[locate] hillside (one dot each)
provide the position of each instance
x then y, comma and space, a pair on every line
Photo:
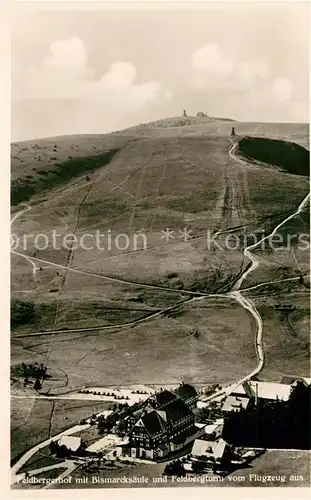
145, 180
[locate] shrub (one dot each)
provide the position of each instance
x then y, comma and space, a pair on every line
172, 275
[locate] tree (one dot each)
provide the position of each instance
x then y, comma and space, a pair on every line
37, 385
101, 425
63, 452
175, 468
53, 447
121, 427
198, 466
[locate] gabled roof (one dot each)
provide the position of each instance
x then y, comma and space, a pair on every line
158, 421
201, 447
138, 413
220, 448
176, 410
211, 428
186, 392
162, 398
215, 449
153, 423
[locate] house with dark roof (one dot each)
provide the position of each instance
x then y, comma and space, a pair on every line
188, 394
159, 399
162, 429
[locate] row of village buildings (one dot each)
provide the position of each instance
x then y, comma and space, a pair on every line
166, 422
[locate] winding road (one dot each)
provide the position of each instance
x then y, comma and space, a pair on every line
247, 303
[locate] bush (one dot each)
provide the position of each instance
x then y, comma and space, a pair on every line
172, 275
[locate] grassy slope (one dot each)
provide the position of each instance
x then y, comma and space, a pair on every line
172, 177
32, 420
72, 314
161, 351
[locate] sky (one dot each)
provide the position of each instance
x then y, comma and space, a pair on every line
76, 72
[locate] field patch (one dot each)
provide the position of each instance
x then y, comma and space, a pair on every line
210, 340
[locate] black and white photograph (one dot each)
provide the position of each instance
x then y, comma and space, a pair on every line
159, 224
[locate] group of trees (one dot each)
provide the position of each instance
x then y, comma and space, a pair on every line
210, 389
175, 468
35, 371
211, 412
281, 424
98, 393
31, 370
106, 424
116, 419
61, 451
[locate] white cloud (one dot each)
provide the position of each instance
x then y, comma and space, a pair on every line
245, 88
248, 87
115, 100
210, 65
67, 57
212, 68
210, 60
65, 74
62, 74
120, 75
282, 88
249, 71
118, 85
